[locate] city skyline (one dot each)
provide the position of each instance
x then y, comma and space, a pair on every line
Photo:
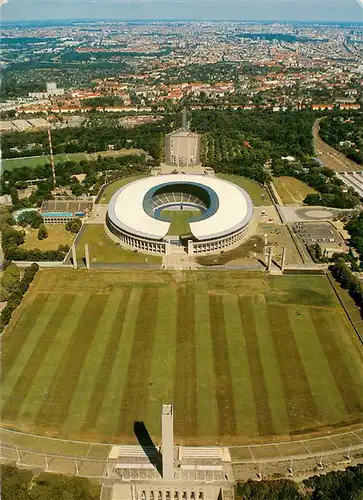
241, 10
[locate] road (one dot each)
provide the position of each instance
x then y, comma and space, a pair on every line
331, 157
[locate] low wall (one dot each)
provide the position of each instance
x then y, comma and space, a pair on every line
42, 264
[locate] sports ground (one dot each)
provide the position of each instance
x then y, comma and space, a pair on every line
243, 356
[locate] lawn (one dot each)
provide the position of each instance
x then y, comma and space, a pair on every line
34, 161
179, 220
257, 192
114, 186
57, 235
104, 250
292, 191
243, 356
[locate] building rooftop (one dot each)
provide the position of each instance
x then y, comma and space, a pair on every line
233, 207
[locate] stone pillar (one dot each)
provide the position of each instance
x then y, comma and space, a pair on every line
167, 428
74, 256
86, 253
283, 259
270, 255
190, 247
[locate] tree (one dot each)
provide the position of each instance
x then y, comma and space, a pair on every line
31, 218
74, 225
10, 277
14, 196
42, 232
4, 294
15, 483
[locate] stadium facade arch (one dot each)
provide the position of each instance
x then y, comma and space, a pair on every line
225, 218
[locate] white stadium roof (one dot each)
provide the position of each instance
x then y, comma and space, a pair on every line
234, 207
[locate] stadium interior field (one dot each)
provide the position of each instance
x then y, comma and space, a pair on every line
179, 220
243, 356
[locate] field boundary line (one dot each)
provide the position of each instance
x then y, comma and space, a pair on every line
253, 445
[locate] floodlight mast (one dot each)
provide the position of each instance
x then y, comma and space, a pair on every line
51, 152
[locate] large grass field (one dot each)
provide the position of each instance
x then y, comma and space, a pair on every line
243, 356
292, 191
34, 161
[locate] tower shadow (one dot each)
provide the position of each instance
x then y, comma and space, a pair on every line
148, 446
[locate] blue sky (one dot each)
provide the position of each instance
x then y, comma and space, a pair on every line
303, 10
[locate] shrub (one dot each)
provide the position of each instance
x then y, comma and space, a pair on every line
10, 277
74, 225
42, 232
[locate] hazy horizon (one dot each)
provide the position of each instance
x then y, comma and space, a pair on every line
181, 10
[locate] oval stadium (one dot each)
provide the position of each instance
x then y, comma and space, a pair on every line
217, 214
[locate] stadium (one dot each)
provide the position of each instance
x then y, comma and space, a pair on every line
219, 214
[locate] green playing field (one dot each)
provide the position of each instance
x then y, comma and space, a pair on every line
179, 220
242, 356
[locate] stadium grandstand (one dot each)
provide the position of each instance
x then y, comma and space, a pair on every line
60, 211
223, 220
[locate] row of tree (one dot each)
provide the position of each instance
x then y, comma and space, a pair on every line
16, 288
348, 280
344, 131
355, 230
20, 484
339, 485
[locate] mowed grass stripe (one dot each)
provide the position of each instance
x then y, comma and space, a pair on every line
55, 409
185, 389
34, 364
349, 344
135, 394
11, 343
161, 389
109, 414
88, 376
353, 400
317, 367
117, 316
263, 412
38, 390
243, 397
208, 425
26, 349
270, 367
300, 403
223, 380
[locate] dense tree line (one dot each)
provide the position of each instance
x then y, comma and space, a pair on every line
16, 289
344, 131
355, 230
19, 484
88, 139
281, 133
98, 172
241, 141
340, 485
331, 190
343, 273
